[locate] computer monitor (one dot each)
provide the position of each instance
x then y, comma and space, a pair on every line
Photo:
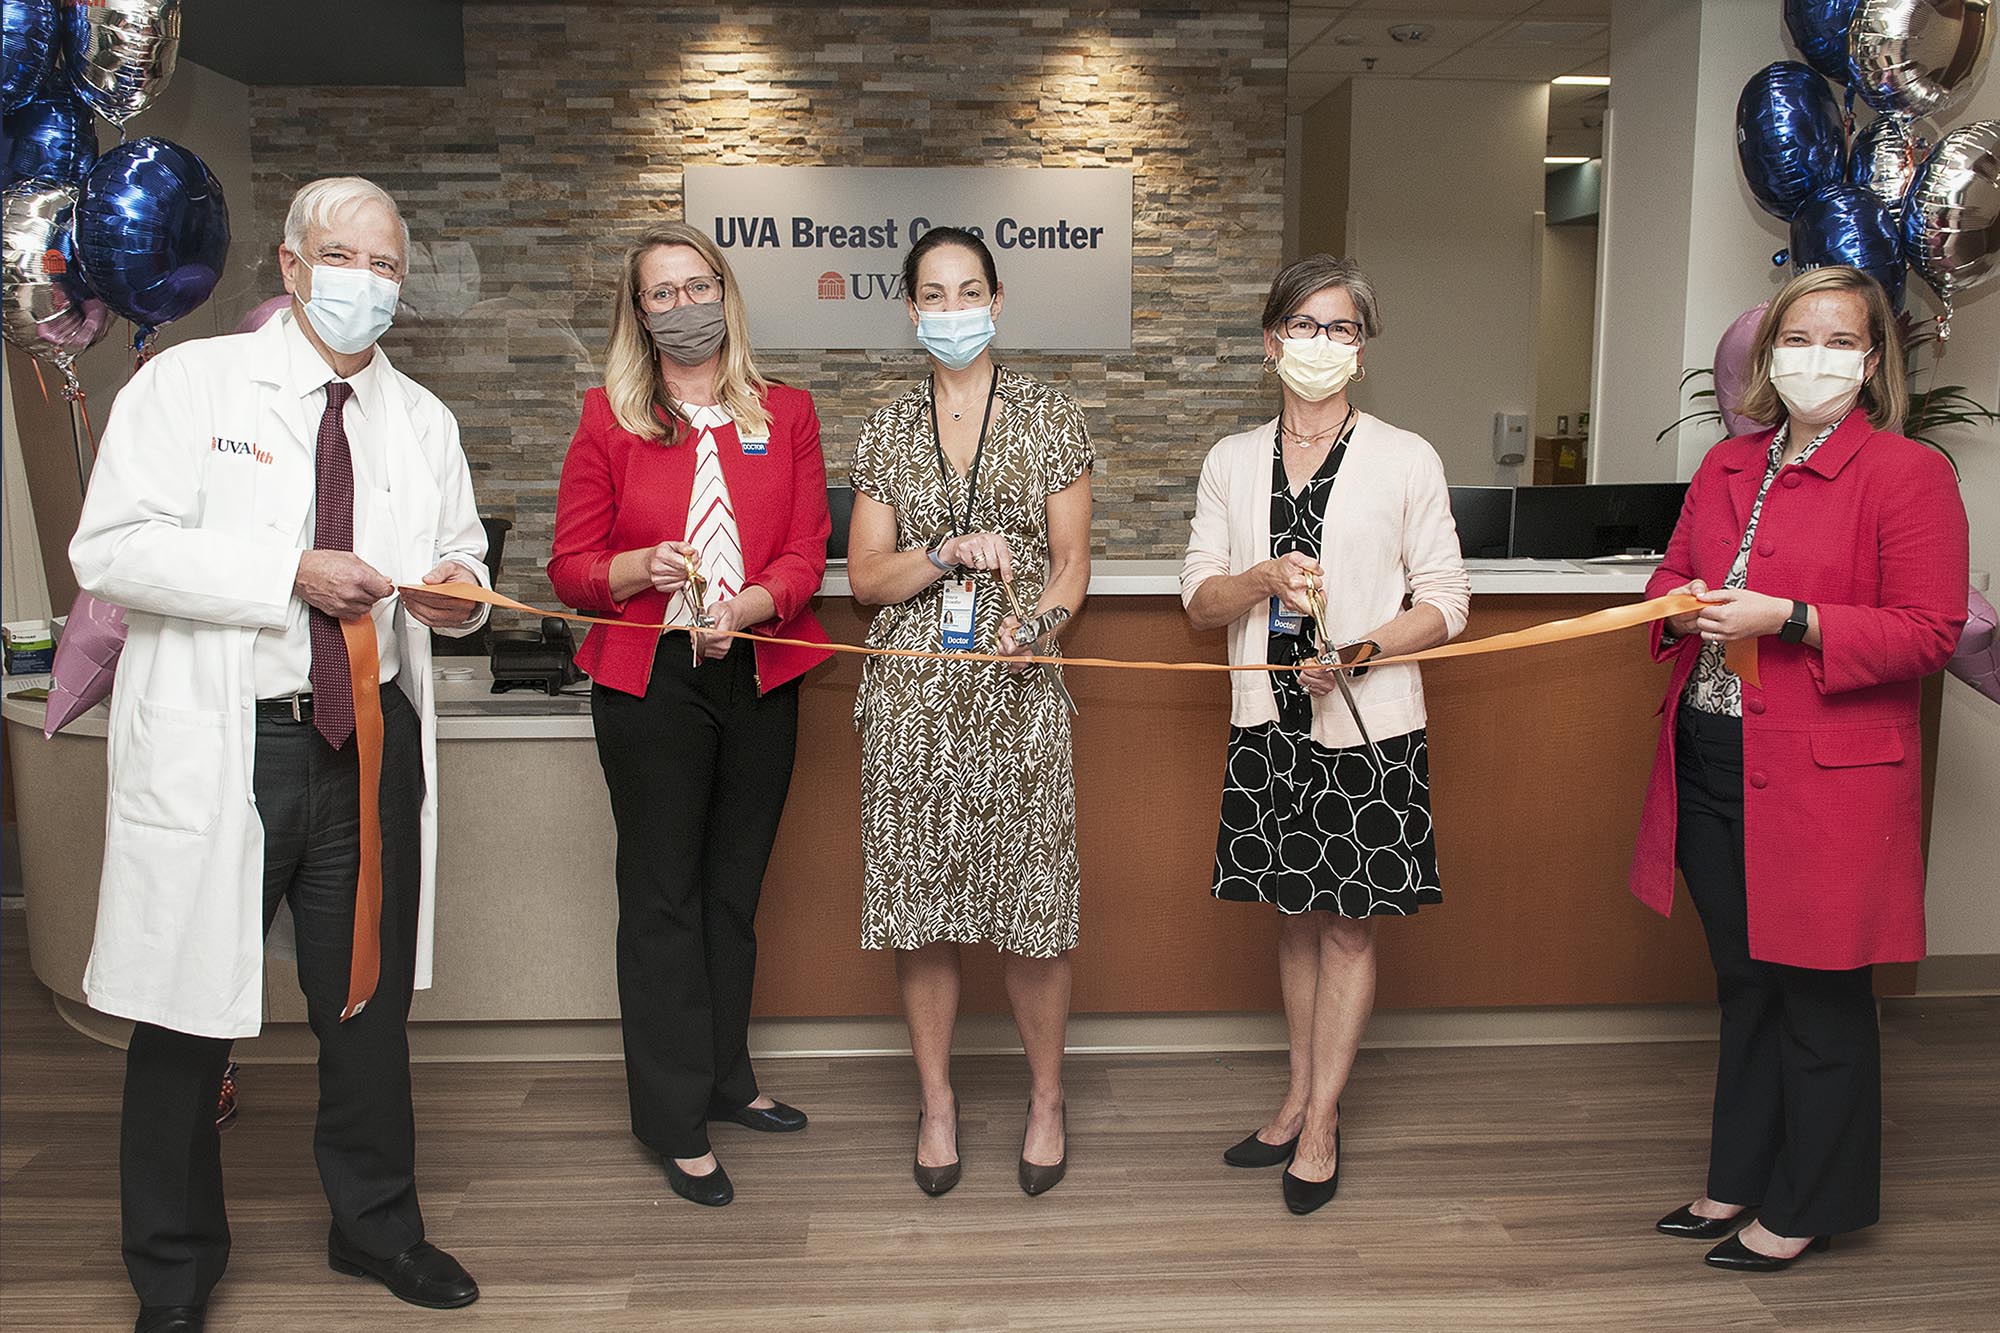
1584, 522
840, 504
1485, 519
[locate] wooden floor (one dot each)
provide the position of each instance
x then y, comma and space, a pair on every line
1482, 1188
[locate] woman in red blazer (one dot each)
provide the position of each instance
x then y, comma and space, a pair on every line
689, 459
1792, 805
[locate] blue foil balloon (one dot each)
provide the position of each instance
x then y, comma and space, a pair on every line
152, 231
1847, 224
27, 47
53, 137
1819, 30
1788, 136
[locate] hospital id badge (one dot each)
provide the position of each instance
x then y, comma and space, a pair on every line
955, 616
1284, 620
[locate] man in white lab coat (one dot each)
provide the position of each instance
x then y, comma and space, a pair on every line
252, 492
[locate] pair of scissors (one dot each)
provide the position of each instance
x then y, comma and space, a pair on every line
696, 596
1032, 628
1328, 656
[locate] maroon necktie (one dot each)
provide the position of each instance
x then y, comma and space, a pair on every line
333, 530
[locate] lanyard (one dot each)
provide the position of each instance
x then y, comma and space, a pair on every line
979, 452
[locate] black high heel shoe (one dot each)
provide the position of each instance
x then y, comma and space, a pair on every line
936, 1180
1254, 1152
710, 1191
1035, 1177
1734, 1255
1307, 1196
1686, 1223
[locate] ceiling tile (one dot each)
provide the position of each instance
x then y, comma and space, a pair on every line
1527, 63
1388, 58
1434, 9
1308, 24
1554, 32
1600, 9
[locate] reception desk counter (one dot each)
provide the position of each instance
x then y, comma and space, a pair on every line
1538, 763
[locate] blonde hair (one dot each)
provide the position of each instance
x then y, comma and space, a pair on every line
1886, 393
632, 378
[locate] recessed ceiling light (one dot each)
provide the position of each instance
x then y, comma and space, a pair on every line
1564, 161
1348, 39
1583, 80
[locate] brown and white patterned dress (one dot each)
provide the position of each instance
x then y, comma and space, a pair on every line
968, 807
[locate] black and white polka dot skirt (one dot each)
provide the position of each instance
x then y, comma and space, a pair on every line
1308, 829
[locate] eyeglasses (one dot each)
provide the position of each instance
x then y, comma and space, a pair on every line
1305, 326
697, 290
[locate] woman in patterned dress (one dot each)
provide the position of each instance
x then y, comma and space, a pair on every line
1331, 830
975, 481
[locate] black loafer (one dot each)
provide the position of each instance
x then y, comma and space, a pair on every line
1690, 1225
1308, 1196
1734, 1255
171, 1319
421, 1275
1254, 1152
777, 1118
710, 1191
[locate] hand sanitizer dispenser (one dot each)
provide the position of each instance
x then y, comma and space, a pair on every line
1510, 438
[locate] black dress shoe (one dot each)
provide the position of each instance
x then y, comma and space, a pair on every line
171, 1319
422, 1275
1253, 1151
1690, 1225
710, 1191
776, 1118
1034, 1176
1307, 1196
1733, 1254
936, 1180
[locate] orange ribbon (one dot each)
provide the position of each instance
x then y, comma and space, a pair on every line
364, 669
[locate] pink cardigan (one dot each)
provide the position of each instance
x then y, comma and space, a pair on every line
1389, 536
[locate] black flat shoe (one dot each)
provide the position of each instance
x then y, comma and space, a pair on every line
1254, 1152
936, 1180
1734, 1255
710, 1191
1307, 1196
421, 1275
171, 1319
776, 1118
1039, 1179
1690, 1225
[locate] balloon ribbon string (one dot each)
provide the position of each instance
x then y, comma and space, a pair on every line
1742, 655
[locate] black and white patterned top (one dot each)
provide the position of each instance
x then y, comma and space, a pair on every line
1713, 688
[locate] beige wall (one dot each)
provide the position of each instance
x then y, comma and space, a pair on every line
1564, 325
1325, 164
1445, 189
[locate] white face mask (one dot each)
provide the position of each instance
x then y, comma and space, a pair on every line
1316, 368
1818, 384
351, 307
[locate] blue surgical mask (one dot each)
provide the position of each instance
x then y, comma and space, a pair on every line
351, 307
956, 337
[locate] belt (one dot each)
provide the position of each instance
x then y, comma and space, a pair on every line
286, 708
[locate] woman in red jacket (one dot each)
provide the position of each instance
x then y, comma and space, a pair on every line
1792, 805
688, 458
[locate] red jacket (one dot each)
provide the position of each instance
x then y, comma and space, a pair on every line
620, 492
1871, 530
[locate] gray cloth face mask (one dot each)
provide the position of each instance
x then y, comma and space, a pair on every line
688, 334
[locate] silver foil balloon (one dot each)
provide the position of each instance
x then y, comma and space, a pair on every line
46, 312
120, 53
1884, 159
1917, 57
1951, 221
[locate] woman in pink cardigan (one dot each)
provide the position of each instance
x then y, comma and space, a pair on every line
1327, 822
1793, 805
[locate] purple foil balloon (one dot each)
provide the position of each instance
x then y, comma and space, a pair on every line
1977, 661
1732, 369
86, 660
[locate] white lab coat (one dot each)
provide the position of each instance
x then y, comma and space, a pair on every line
194, 521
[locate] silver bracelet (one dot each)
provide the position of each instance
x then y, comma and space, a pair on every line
931, 554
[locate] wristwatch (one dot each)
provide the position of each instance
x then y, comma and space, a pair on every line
931, 554
1796, 624
1355, 654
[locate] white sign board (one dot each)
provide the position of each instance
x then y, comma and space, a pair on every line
818, 251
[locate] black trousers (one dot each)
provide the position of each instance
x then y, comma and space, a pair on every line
698, 771
176, 1235
1798, 1084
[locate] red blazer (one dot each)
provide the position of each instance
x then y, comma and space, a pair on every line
1871, 530
621, 492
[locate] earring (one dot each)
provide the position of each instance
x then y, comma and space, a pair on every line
1270, 364
1360, 374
